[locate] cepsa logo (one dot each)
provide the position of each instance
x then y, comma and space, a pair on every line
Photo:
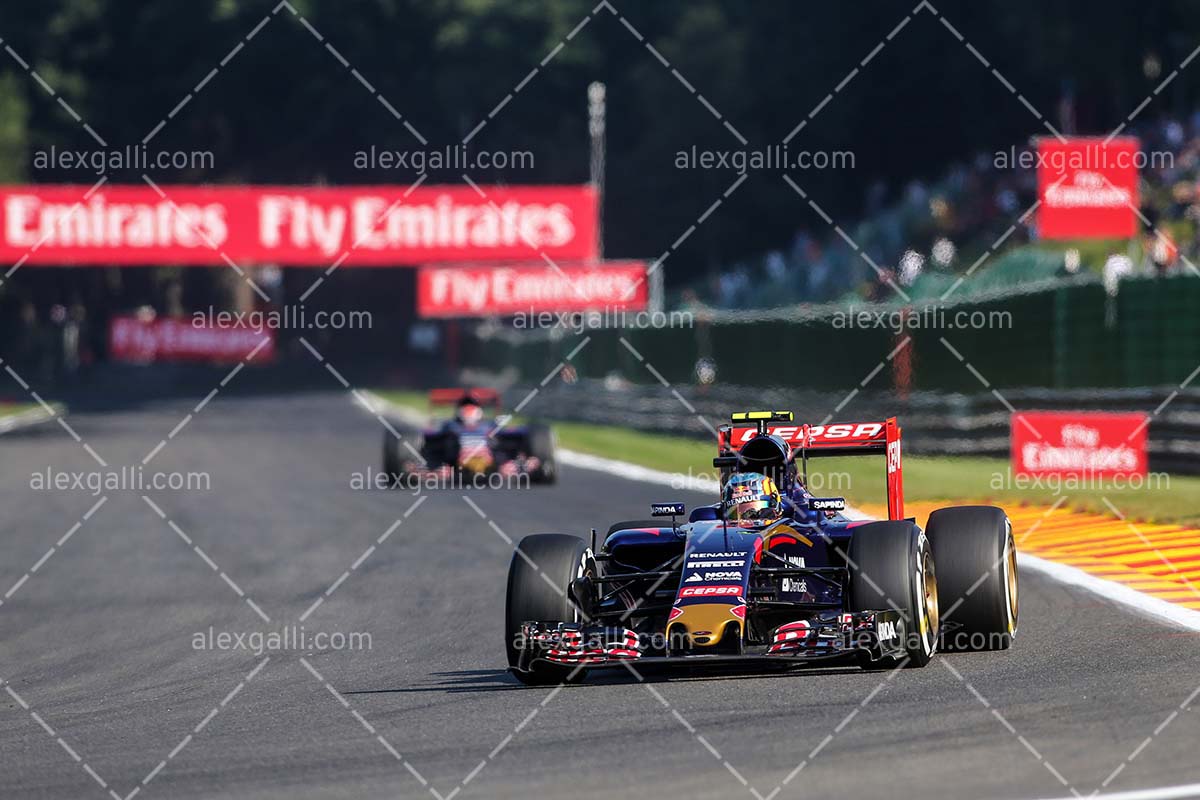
794, 434
711, 591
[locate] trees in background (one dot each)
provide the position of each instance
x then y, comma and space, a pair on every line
284, 109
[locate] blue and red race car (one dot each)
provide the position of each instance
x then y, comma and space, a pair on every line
472, 444
770, 573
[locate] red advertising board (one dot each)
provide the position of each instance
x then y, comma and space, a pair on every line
1079, 444
294, 225
145, 341
504, 290
1087, 189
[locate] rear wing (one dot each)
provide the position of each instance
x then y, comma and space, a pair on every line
450, 397
825, 441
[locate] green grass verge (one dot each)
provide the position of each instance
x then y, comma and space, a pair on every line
657, 451
11, 409
1163, 498
415, 400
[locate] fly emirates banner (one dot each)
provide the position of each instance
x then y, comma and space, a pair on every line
304, 226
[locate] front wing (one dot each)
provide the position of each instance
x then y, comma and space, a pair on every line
828, 635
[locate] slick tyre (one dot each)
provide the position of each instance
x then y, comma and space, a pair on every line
392, 463
533, 598
891, 566
977, 574
541, 446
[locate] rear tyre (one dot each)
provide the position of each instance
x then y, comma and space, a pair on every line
541, 447
392, 464
532, 598
891, 566
977, 573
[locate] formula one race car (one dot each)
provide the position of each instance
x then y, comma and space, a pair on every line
771, 573
471, 444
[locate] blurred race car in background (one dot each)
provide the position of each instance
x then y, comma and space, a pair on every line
771, 573
472, 443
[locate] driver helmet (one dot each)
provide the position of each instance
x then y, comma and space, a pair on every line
751, 499
470, 412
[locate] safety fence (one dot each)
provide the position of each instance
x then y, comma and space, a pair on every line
934, 423
1066, 333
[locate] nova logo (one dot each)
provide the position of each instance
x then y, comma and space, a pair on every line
722, 576
887, 631
695, 576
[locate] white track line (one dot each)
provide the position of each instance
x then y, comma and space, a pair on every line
1118, 593
1161, 793
33, 416
634, 472
375, 404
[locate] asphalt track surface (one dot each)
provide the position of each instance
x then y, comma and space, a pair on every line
98, 643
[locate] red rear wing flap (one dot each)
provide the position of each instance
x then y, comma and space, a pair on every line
838, 439
449, 397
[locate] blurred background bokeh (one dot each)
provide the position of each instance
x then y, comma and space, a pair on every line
930, 204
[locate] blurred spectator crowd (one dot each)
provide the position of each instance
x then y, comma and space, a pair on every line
943, 227
46, 347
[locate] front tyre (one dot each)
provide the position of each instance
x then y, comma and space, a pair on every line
541, 447
891, 567
977, 572
539, 590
